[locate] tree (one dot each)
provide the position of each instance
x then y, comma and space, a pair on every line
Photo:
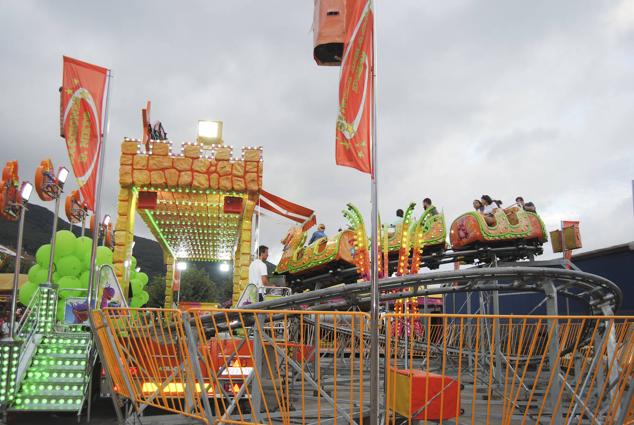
156, 289
196, 285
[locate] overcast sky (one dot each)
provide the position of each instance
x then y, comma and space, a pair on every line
499, 97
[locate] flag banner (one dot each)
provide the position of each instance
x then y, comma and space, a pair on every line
356, 89
82, 100
284, 208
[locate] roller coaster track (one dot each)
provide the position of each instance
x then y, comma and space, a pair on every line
600, 295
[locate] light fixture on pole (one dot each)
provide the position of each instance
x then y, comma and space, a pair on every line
181, 266
23, 198
25, 193
62, 175
209, 132
224, 267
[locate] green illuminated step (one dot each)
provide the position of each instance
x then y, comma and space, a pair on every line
57, 351
69, 377
56, 377
47, 402
74, 340
58, 357
58, 364
48, 389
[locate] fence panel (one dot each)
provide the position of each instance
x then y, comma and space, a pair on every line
248, 367
476, 369
240, 366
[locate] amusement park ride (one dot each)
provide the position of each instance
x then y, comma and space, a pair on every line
301, 355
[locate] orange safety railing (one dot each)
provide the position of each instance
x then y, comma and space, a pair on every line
253, 367
238, 366
507, 369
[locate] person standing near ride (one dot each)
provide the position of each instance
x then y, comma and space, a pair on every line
399, 217
429, 208
258, 273
318, 234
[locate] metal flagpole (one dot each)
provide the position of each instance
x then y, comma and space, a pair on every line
102, 157
374, 272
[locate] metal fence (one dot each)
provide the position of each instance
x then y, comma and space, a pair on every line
508, 369
286, 367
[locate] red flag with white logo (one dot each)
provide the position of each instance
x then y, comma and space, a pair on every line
356, 88
82, 100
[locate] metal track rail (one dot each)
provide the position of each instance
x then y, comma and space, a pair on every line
598, 293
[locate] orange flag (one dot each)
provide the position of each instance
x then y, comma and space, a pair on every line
83, 93
356, 89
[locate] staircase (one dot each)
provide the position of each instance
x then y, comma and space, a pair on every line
59, 374
50, 363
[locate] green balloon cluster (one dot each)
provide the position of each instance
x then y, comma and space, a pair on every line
71, 264
138, 280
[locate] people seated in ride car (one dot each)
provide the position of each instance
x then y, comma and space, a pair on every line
526, 206
490, 205
489, 208
429, 207
477, 205
318, 234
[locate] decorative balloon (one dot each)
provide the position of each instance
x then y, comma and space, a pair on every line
38, 274
26, 292
45, 181
83, 246
71, 273
67, 283
42, 255
65, 244
61, 311
137, 286
69, 266
104, 256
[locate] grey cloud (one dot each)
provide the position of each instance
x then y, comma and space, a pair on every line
502, 97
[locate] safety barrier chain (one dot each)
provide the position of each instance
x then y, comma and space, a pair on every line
255, 366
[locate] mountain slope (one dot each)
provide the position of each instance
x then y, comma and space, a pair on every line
38, 225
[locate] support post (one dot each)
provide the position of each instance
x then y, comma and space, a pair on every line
375, 411
256, 396
16, 273
49, 279
193, 352
99, 184
553, 351
244, 248
124, 235
170, 266
498, 350
469, 327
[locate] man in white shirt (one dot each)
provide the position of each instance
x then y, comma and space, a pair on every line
257, 270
